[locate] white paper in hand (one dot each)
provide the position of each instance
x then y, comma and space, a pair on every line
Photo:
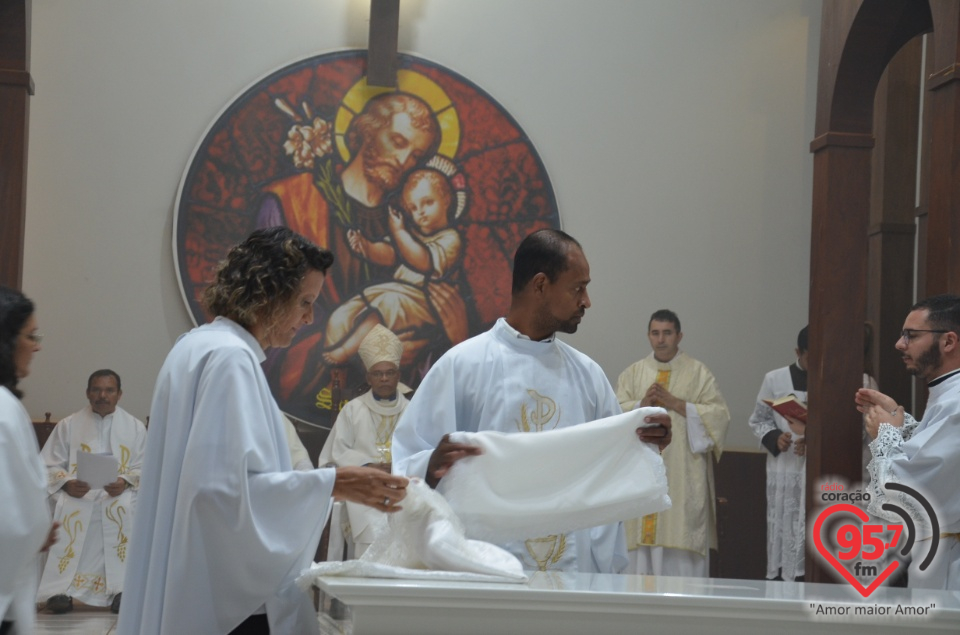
97, 470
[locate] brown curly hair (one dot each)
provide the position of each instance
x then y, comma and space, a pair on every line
261, 276
15, 310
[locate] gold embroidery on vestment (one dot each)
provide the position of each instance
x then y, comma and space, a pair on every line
547, 551
124, 459
536, 420
648, 535
93, 582
115, 513
73, 529
385, 436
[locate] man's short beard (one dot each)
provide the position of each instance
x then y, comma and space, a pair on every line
928, 361
568, 327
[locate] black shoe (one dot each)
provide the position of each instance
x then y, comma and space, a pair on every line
115, 605
60, 604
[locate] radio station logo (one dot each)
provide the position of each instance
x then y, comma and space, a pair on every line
864, 551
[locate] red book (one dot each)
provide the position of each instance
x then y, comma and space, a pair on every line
789, 406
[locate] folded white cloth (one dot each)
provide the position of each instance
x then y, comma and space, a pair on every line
424, 540
557, 481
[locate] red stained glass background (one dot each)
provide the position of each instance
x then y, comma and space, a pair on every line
508, 191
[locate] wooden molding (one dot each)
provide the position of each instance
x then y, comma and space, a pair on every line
942, 77
16, 78
842, 139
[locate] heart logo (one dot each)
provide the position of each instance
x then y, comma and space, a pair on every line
832, 559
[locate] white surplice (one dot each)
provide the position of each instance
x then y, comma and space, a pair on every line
362, 434
500, 380
89, 561
786, 479
25, 520
224, 524
786, 476
924, 455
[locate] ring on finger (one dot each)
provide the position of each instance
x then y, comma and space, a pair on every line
386, 501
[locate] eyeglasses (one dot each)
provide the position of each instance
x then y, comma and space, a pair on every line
36, 338
911, 334
383, 374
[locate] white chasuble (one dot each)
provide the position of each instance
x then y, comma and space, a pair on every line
89, 561
502, 381
786, 477
25, 520
924, 456
224, 525
362, 434
690, 523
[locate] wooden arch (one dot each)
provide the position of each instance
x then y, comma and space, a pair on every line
858, 40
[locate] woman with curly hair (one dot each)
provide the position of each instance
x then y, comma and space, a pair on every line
224, 524
25, 526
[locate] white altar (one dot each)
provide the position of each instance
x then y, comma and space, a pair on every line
597, 604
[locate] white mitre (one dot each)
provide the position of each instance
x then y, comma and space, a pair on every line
380, 345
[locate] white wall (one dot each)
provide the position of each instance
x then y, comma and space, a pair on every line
675, 132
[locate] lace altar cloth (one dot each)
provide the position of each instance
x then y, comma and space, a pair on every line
424, 540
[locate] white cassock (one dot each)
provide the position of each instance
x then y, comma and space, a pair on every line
89, 560
501, 380
786, 477
924, 456
362, 434
224, 524
678, 540
25, 520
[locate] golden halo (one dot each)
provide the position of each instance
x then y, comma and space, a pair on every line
407, 82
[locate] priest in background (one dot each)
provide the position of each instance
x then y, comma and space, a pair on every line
363, 431
519, 378
90, 564
677, 541
225, 524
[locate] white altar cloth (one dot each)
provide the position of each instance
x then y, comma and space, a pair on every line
597, 604
557, 481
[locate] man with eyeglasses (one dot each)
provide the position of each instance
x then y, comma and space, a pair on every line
89, 563
363, 431
922, 454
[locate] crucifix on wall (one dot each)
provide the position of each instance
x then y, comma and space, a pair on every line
382, 43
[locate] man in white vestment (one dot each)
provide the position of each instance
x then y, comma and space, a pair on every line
519, 378
90, 562
677, 541
922, 455
363, 431
299, 457
225, 524
786, 467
